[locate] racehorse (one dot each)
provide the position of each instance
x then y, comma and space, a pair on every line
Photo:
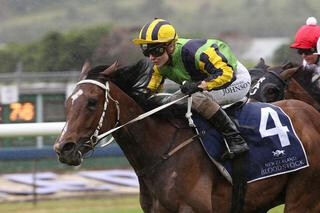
174, 177
266, 83
258, 71
284, 82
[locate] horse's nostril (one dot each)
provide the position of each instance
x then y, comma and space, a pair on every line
68, 147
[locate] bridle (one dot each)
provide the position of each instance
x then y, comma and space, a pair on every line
94, 139
283, 83
277, 75
263, 83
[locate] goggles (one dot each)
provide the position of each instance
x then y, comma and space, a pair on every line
306, 51
155, 50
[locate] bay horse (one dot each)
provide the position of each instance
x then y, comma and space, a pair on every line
285, 82
186, 181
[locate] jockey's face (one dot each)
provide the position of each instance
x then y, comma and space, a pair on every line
310, 59
159, 54
308, 56
157, 58
160, 60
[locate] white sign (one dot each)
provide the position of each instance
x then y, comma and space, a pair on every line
51, 183
9, 94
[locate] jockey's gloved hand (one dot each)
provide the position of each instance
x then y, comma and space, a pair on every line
190, 87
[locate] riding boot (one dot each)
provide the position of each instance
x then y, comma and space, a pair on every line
223, 123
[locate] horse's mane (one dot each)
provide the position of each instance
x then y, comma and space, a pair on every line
116, 77
94, 73
124, 78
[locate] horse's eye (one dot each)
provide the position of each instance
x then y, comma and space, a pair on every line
272, 91
92, 104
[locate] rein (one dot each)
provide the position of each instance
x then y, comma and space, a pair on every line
286, 84
304, 89
95, 138
140, 117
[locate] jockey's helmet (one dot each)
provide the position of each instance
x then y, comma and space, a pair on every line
156, 31
307, 35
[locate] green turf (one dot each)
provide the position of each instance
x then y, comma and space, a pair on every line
278, 209
110, 204
116, 204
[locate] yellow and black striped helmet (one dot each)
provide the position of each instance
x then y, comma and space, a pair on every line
156, 31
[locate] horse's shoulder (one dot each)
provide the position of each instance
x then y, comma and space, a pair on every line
290, 103
295, 107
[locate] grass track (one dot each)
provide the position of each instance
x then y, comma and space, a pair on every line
114, 204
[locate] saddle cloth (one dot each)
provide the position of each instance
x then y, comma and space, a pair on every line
275, 148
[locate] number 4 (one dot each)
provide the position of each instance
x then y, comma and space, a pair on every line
279, 129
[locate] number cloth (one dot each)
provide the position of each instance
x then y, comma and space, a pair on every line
275, 148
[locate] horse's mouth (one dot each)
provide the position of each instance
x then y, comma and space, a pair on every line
72, 160
73, 154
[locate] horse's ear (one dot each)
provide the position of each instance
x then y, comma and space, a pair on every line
288, 73
262, 64
261, 61
111, 69
85, 69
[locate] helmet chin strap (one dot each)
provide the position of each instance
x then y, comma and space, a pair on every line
169, 50
171, 47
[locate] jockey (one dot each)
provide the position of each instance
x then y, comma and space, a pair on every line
207, 69
305, 42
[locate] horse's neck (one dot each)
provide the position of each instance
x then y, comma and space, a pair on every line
296, 91
301, 87
142, 141
145, 141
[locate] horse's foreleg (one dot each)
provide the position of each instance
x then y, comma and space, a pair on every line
148, 201
146, 198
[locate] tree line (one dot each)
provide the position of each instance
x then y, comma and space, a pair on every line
28, 19
57, 51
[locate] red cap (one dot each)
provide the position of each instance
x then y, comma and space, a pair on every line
307, 35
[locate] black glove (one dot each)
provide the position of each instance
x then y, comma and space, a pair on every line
190, 87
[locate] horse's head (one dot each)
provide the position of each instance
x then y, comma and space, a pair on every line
258, 71
85, 111
270, 87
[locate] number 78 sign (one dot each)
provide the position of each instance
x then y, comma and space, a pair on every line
21, 111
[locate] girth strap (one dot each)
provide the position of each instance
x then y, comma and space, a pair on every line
180, 146
166, 156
